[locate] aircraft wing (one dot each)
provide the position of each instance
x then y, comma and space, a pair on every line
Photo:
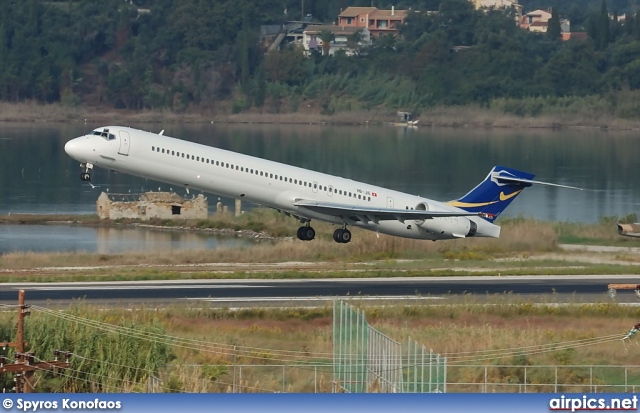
362, 213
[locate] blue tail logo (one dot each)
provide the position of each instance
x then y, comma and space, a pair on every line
491, 196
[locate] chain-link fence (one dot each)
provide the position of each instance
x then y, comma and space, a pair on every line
365, 360
506, 378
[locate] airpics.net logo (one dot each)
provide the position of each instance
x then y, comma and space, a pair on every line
587, 403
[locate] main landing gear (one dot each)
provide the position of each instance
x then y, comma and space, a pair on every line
86, 171
306, 233
342, 235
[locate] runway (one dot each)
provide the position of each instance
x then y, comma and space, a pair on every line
297, 292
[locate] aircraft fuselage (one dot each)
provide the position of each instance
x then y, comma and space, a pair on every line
268, 183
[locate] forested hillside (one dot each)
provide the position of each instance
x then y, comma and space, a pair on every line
197, 55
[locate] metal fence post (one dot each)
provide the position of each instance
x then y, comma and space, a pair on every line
422, 371
444, 373
485, 379
430, 365
233, 387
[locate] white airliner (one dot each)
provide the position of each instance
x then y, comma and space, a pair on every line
301, 193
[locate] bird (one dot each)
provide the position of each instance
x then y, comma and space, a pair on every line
93, 186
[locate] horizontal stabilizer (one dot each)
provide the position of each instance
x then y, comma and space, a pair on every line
513, 179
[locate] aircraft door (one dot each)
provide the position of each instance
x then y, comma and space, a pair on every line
124, 143
330, 190
389, 202
315, 186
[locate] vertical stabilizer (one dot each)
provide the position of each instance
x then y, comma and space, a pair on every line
491, 196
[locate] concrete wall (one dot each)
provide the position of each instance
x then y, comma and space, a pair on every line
150, 205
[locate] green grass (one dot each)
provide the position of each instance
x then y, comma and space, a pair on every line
192, 348
526, 246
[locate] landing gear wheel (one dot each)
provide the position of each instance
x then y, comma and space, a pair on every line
342, 235
86, 171
306, 233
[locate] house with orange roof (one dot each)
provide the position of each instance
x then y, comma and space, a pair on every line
355, 16
378, 22
532, 17
538, 21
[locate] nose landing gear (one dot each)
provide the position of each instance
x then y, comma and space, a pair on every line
86, 171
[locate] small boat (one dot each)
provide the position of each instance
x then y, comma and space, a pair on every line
410, 124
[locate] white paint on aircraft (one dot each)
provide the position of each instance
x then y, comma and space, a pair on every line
298, 192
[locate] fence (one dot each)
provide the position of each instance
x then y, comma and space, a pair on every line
505, 378
365, 360
539, 379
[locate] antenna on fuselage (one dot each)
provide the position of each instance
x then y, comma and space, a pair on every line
161, 132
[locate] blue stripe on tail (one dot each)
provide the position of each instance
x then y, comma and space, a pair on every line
491, 196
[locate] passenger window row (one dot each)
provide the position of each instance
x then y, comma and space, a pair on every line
261, 173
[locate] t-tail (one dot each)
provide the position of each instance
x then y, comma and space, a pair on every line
491, 196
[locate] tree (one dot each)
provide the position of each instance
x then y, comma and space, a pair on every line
385, 42
458, 18
260, 92
326, 37
354, 40
571, 71
285, 66
553, 29
603, 27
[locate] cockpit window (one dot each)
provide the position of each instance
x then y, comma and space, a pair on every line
105, 134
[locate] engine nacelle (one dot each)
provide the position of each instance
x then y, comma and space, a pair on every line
446, 227
629, 230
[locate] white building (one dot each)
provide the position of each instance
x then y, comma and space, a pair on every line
311, 38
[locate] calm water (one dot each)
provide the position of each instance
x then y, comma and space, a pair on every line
36, 175
61, 238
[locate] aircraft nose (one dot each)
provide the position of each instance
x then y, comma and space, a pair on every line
72, 148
